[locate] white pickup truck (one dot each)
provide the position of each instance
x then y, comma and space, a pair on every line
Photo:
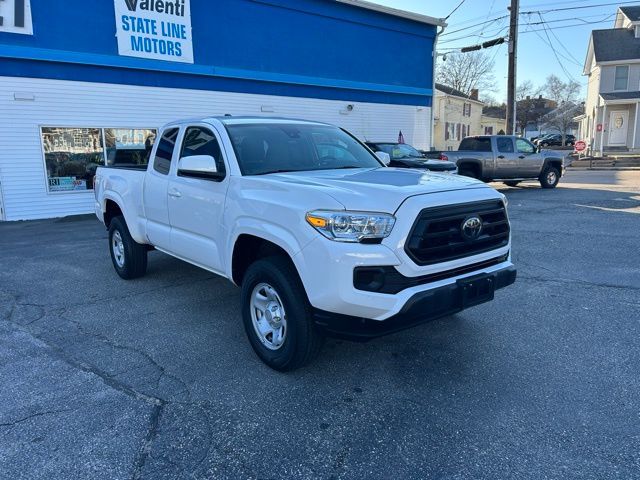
321, 235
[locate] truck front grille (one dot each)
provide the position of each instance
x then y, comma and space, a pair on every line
437, 235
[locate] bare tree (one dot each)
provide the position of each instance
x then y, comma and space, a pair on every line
529, 108
565, 94
488, 99
527, 89
560, 91
467, 71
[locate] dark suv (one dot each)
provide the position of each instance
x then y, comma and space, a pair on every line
555, 140
405, 156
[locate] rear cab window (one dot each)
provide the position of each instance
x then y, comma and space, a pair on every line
475, 144
504, 144
162, 159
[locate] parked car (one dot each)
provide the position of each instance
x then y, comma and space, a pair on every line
403, 155
321, 240
555, 140
506, 158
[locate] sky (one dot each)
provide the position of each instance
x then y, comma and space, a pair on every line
566, 31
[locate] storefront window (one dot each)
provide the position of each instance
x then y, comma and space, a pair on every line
128, 148
72, 156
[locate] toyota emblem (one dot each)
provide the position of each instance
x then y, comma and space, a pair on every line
471, 228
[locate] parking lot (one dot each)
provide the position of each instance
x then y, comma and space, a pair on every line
154, 378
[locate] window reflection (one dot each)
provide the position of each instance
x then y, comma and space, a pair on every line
72, 156
128, 147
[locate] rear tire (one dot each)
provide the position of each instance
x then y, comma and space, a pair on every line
512, 183
277, 315
549, 177
129, 257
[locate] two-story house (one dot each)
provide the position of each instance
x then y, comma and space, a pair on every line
456, 116
612, 109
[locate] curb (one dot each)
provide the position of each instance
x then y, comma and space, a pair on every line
582, 169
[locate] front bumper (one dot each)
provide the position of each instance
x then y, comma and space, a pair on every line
421, 307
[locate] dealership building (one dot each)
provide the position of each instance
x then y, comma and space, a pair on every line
84, 84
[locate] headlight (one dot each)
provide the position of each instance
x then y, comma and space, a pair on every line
344, 226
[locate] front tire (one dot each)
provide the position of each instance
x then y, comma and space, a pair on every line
550, 177
512, 183
129, 257
277, 315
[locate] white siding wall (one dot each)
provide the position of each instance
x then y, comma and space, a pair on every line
81, 104
608, 75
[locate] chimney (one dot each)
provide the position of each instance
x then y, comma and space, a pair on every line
474, 94
528, 97
540, 97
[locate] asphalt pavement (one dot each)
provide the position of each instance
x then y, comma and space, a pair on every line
154, 379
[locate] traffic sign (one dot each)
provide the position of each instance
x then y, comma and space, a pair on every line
581, 146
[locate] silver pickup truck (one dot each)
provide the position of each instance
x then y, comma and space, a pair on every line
506, 158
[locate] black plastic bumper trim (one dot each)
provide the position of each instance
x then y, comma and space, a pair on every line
387, 279
420, 308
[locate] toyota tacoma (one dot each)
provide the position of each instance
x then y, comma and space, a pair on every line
321, 236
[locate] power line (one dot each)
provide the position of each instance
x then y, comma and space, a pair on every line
577, 62
566, 26
555, 53
606, 18
473, 26
493, 2
563, 9
454, 10
581, 7
570, 2
491, 33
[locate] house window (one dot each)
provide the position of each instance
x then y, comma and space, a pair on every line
446, 131
622, 78
466, 110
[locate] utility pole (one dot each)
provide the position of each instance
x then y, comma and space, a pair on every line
513, 64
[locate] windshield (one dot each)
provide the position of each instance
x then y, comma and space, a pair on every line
263, 148
399, 150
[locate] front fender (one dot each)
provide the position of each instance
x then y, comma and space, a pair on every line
272, 232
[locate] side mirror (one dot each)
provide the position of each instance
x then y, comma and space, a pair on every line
384, 157
198, 166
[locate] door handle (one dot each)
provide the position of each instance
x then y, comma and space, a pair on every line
174, 193
521, 156
501, 157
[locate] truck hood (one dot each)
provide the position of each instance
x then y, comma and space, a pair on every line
379, 189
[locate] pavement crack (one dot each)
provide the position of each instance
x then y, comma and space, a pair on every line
109, 342
147, 444
562, 279
34, 415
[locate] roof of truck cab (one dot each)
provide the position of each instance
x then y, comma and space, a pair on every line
243, 120
231, 120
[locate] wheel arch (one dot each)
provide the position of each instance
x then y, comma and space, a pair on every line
112, 206
555, 162
472, 164
250, 247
